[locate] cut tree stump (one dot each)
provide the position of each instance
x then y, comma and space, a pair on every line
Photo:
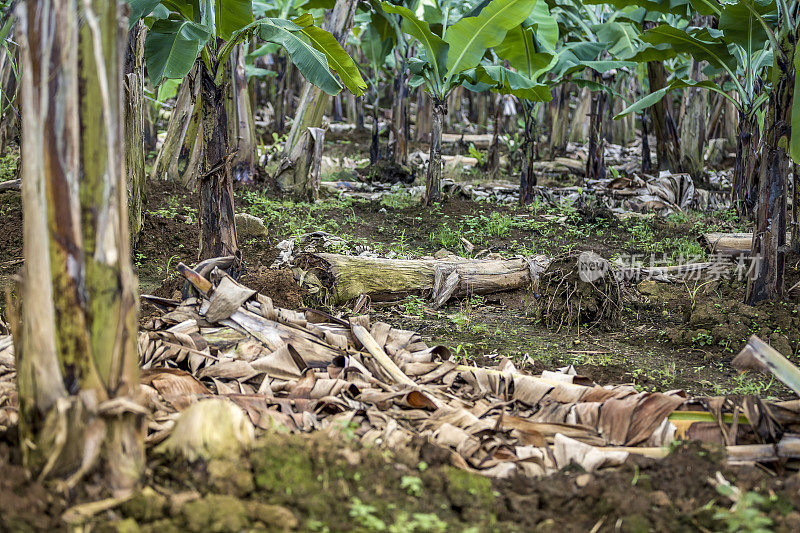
348, 277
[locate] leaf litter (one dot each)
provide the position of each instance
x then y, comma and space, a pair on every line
227, 357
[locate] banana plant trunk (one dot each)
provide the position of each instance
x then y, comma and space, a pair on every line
559, 107
423, 126
399, 142
667, 144
217, 225
528, 177
433, 180
795, 243
279, 122
135, 128
75, 338
9, 122
181, 152
745, 176
375, 147
595, 162
311, 109
692, 126
242, 130
493, 157
647, 163
769, 233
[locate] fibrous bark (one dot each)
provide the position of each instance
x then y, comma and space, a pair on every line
242, 130
314, 100
217, 225
134, 128
9, 122
559, 118
180, 154
769, 234
595, 162
693, 122
667, 144
527, 178
433, 179
399, 141
76, 345
493, 157
745, 177
302, 175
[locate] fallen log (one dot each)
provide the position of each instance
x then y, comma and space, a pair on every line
731, 244
11, 185
481, 141
345, 278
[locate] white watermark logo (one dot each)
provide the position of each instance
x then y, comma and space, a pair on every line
591, 267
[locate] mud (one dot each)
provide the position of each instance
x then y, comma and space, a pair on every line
328, 482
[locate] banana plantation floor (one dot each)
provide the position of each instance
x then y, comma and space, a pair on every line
672, 336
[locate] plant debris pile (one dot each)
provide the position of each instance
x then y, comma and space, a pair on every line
580, 291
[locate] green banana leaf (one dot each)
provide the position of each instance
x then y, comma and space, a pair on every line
740, 25
699, 45
470, 37
171, 48
621, 38
656, 96
311, 63
338, 59
140, 9
231, 16
543, 24
375, 49
529, 47
505, 81
434, 48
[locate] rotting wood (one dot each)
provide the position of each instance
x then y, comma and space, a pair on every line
730, 244
348, 277
11, 185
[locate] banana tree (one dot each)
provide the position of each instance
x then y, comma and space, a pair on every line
529, 48
446, 56
738, 52
376, 50
303, 146
781, 145
184, 33
75, 345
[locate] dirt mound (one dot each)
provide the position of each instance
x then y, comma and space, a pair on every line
279, 285
673, 494
385, 171
312, 483
25, 505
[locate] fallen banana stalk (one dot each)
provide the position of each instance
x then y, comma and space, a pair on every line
787, 448
377, 352
760, 356
348, 277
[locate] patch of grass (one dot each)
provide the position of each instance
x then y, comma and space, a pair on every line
745, 384
177, 207
398, 200
8, 166
298, 217
413, 306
